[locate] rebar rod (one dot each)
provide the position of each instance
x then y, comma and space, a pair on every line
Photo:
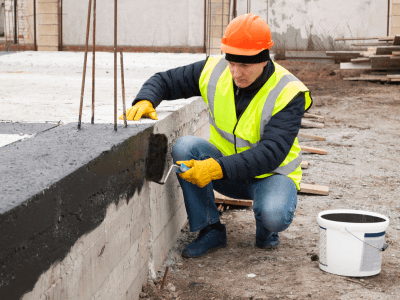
115, 65
123, 89
84, 65
94, 58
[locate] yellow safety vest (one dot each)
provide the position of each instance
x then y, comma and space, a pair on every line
231, 136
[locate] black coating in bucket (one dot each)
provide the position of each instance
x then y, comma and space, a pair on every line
352, 218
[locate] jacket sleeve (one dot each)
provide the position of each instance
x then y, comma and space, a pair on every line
178, 83
278, 138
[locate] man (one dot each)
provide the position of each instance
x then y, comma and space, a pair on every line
255, 110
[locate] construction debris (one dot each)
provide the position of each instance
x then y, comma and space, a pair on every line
313, 150
382, 60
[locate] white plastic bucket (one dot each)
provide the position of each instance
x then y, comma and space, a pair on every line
351, 242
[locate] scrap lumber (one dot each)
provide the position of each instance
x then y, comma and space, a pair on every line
396, 40
355, 66
306, 123
313, 116
387, 38
383, 62
313, 150
396, 53
221, 199
314, 189
310, 136
372, 44
363, 38
367, 78
381, 50
304, 164
343, 54
360, 60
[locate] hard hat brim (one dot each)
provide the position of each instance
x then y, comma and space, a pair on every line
237, 51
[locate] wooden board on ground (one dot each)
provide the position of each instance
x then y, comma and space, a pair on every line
388, 38
314, 189
313, 150
305, 123
304, 164
388, 43
393, 76
384, 38
310, 136
396, 53
367, 78
227, 200
313, 116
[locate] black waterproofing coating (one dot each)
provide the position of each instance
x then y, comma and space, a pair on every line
279, 133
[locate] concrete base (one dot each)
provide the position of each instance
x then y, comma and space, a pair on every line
90, 226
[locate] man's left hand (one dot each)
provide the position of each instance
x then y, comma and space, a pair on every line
201, 171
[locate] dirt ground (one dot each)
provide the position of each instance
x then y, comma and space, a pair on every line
362, 130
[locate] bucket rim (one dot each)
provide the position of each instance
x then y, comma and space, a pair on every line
365, 227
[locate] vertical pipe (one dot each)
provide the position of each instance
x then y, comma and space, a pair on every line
115, 65
84, 65
61, 25
209, 27
235, 8
222, 20
15, 22
388, 16
205, 27
123, 89
34, 26
94, 58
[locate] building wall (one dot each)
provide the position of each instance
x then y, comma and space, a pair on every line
24, 20
140, 23
314, 24
395, 24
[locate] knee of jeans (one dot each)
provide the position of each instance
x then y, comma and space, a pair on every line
180, 149
276, 221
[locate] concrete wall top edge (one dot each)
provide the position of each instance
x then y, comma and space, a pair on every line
32, 165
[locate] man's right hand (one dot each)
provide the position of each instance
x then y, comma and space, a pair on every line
143, 108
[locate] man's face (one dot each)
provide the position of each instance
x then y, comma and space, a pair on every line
245, 74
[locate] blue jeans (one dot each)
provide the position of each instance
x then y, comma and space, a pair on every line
274, 198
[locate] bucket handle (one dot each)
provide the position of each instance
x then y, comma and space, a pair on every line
385, 246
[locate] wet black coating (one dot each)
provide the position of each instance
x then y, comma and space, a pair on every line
157, 157
352, 218
56, 187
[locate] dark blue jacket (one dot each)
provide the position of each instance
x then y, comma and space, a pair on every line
279, 133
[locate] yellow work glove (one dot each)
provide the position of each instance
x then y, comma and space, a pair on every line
201, 171
142, 108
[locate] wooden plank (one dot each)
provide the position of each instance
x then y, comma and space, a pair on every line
313, 116
365, 38
386, 49
393, 76
304, 164
395, 57
383, 63
372, 44
396, 40
305, 123
367, 78
227, 200
388, 38
310, 136
358, 66
313, 150
343, 53
360, 60
314, 189
396, 53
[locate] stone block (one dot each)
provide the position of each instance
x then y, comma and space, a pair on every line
395, 21
48, 19
48, 40
396, 9
48, 30
47, 8
47, 48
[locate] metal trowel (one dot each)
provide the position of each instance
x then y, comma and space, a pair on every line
178, 169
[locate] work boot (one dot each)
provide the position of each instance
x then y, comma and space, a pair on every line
208, 240
266, 239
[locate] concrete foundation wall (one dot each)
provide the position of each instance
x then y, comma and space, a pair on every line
95, 233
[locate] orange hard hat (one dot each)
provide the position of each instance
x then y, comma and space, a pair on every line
246, 35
